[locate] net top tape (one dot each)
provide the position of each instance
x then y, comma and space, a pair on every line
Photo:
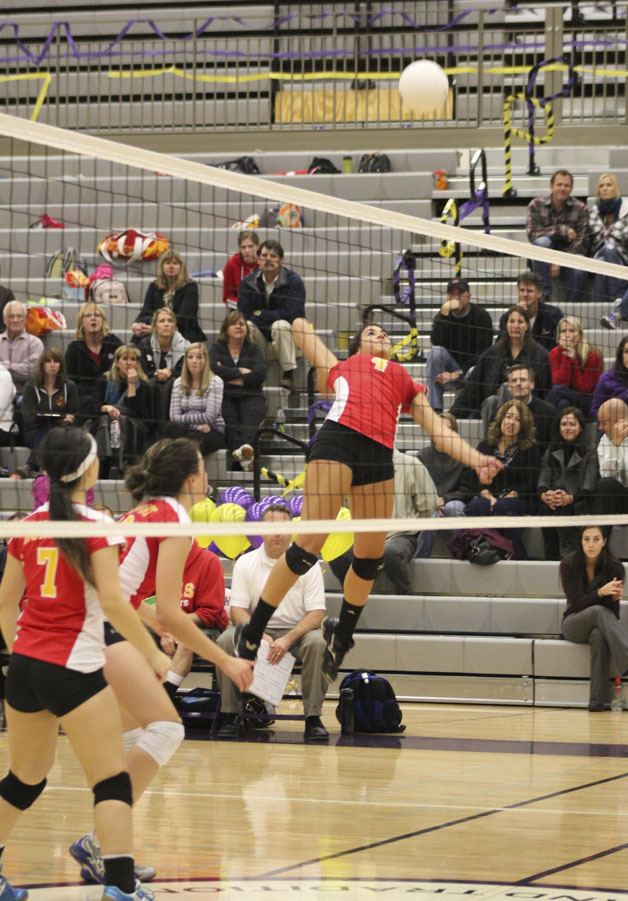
79, 529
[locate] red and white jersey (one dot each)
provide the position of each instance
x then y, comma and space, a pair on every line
369, 392
61, 620
138, 568
204, 588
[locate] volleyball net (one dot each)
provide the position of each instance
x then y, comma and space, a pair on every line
87, 218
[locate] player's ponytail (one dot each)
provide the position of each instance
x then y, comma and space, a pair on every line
163, 470
64, 455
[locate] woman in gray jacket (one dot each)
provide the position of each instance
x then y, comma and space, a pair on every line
569, 473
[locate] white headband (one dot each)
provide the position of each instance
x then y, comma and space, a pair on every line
84, 466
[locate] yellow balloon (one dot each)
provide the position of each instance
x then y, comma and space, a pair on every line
203, 512
230, 545
340, 542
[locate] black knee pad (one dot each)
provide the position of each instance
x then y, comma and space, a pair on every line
115, 788
19, 794
300, 561
367, 567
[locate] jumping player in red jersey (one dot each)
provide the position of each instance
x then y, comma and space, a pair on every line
352, 457
169, 481
56, 666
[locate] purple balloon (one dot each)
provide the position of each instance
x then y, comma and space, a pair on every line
295, 505
256, 511
215, 550
236, 495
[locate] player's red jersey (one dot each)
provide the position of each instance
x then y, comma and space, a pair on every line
138, 568
369, 392
204, 588
61, 620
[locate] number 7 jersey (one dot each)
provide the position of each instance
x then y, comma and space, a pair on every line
61, 620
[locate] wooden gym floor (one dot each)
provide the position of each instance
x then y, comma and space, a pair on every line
485, 802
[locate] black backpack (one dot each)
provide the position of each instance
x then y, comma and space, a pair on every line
244, 164
375, 707
375, 162
320, 165
198, 708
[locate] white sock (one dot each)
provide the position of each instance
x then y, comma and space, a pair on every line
174, 678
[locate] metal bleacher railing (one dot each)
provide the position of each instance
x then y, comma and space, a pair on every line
290, 66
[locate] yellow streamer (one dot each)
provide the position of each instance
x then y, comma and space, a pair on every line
351, 76
46, 79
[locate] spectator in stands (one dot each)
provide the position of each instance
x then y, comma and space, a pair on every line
123, 403
613, 383
569, 475
239, 266
544, 317
295, 627
90, 355
173, 288
162, 357
608, 223
461, 331
575, 366
196, 403
559, 222
415, 497
163, 350
19, 351
241, 365
611, 493
520, 386
50, 399
7, 396
446, 474
203, 598
6, 296
593, 582
513, 490
271, 298
515, 345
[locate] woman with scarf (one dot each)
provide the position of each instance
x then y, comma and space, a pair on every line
124, 402
512, 491
608, 222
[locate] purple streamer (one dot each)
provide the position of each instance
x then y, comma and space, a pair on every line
114, 48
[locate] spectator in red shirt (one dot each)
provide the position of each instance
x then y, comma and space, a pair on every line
203, 598
575, 366
239, 266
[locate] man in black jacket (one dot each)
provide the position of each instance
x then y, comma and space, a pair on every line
544, 317
461, 331
271, 298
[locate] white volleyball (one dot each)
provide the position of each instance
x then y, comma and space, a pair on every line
423, 86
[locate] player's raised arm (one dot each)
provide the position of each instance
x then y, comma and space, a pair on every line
314, 351
451, 443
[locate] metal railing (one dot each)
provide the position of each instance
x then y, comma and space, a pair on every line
335, 69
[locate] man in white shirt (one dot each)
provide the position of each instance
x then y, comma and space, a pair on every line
611, 493
19, 351
294, 627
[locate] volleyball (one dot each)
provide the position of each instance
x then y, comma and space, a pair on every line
423, 86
